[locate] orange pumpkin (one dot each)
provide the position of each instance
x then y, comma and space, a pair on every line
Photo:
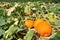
43, 28
29, 23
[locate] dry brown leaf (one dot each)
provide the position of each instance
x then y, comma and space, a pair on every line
11, 9
4, 4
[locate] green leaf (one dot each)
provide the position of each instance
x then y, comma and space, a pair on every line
51, 18
21, 27
8, 20
2, 31
57, 9
27, 9
2, 11
10, 32
57, 36
29, 35
10, 38
2, 21
57, 22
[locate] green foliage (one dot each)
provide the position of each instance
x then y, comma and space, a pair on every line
12, 27
2, 21
10, 31
29, 35
57, 36
57, 22
31, 0
2, 32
